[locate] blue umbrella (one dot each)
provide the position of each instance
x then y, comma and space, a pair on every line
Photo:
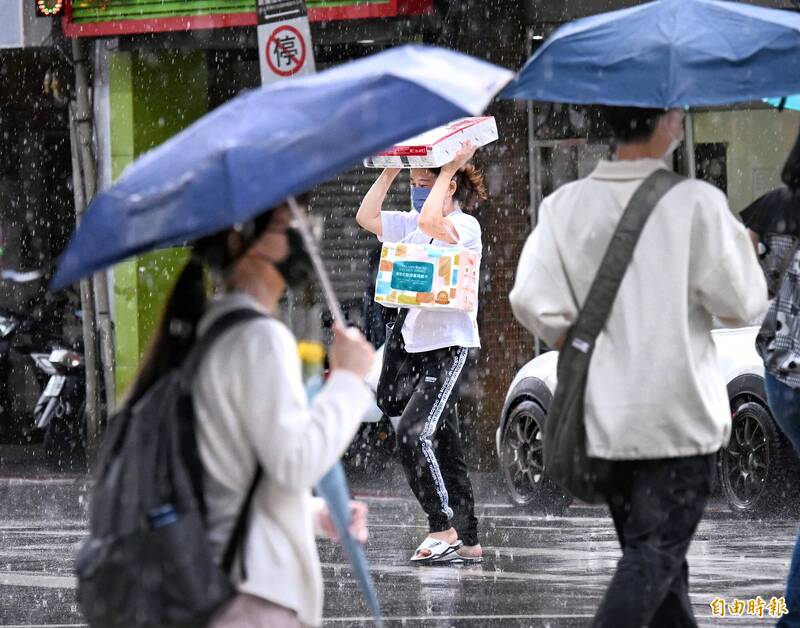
270, 143
789, 102
261, 148
667, 53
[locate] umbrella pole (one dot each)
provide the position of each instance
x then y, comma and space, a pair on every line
316, 259
688, 146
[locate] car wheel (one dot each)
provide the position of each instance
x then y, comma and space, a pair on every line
522, 463
756, 466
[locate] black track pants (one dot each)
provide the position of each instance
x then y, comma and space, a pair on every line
430, 444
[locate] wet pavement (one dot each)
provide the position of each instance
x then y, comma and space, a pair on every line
538, 570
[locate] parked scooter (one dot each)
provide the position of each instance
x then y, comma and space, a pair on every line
59, 411
57, 418
8, 325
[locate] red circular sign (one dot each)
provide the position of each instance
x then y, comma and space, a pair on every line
285, 51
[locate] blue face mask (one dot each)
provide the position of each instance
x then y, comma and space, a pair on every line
418, 196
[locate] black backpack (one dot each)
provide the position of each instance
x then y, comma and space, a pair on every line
147, 562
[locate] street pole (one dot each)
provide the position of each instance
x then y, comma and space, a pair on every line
87, 304
83, 115
289, 20
94, 291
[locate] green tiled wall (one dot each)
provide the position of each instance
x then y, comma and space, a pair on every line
153, 95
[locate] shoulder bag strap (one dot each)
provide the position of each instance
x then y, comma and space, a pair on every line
189, 368
597, 307
402, 314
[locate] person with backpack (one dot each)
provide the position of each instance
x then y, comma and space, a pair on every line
257, 435
655, 406
434, 346
774, 224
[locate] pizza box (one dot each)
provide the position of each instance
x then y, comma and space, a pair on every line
436, 147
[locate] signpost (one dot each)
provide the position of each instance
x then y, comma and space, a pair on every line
284, 40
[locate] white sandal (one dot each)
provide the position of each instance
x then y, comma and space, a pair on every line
458, 559
438, 549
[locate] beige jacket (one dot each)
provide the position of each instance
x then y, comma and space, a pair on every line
251, 405
654, 387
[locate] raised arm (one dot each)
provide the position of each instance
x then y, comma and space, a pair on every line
432, 222
369, 213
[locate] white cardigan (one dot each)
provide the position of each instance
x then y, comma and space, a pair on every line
250, 404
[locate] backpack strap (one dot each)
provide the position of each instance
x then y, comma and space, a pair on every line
597, 307
203, 343
236, 540
189, 369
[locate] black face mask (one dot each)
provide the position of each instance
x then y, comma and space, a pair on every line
297, 268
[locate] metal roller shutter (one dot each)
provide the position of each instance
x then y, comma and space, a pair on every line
345, 246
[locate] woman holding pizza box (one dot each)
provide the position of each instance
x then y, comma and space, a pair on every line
436, 344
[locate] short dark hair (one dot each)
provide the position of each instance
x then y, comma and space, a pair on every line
631, 124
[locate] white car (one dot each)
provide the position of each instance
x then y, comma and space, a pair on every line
758, 470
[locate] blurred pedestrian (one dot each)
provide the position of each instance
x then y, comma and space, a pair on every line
774, 223
251, 409
436, 345
656, 404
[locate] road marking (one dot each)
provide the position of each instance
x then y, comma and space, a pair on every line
33, 580
366, 618
437, 618
45, 480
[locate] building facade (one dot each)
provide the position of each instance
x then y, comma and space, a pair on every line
154, 75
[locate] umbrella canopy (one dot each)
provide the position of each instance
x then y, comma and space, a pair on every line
777, 211
667, 53
270, 143
789, 102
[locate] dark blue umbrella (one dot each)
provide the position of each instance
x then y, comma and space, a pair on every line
668, 53
270, 143
787, 102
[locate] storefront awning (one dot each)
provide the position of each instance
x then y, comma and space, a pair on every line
104, 18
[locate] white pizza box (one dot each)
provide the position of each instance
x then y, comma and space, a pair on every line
436, 147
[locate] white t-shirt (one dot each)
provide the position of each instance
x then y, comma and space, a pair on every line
428, 330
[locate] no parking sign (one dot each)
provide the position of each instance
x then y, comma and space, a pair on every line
284, 40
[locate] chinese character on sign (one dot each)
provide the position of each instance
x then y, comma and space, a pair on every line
777, 607
756, 606
286, 51
718, 607
736, 607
